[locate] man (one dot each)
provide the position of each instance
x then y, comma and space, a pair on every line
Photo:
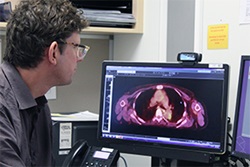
42, 51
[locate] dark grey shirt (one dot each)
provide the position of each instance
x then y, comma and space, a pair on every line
25, 123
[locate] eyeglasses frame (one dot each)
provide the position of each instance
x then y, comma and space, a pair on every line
84, 48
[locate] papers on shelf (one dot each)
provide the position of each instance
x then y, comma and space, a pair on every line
79, 116
112, 18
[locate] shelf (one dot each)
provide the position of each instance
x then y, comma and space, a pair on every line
137, 29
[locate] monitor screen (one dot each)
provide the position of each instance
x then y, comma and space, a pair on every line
151, 108
241, 132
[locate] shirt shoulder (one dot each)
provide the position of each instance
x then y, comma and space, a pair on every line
13, 80
6, 94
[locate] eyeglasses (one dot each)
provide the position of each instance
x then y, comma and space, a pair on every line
81, 49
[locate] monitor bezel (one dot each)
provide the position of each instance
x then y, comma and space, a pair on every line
234, 152
160, 150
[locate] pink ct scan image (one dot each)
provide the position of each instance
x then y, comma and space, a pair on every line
163, 105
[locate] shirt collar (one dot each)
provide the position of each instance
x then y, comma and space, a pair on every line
22, 93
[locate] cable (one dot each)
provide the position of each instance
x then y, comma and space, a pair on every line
244, 162
229, 136
124, 160
233, 161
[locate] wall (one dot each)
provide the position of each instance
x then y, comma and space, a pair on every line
151, 46
180, 27
226, 12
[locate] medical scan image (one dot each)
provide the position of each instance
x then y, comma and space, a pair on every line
164, 105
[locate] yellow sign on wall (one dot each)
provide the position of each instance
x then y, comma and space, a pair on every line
217, 36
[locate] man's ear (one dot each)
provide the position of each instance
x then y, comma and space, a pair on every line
53, 53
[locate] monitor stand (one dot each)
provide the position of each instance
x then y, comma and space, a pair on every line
164, 162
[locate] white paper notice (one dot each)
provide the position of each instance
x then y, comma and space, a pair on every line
78, 116
65, 133
51, 94
245, 12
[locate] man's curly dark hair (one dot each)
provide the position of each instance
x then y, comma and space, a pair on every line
34, 25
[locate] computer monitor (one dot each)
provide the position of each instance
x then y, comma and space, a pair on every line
241, 131
164, 109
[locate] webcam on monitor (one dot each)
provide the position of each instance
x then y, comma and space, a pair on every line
189, 57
